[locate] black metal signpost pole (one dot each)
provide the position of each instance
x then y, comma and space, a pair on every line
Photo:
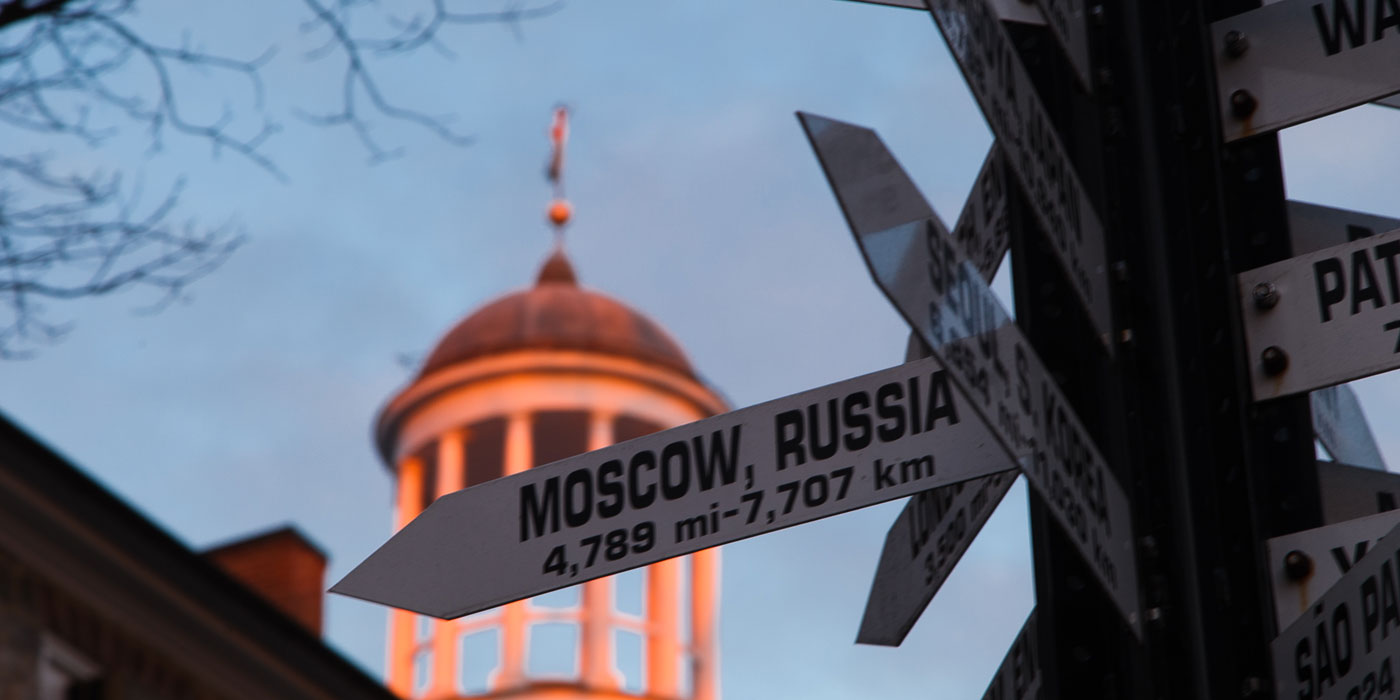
1086, 652
1212, 474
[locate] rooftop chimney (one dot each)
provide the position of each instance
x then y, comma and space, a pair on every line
282, 566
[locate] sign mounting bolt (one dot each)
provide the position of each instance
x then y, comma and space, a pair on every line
1242, 104
1275, 360
1297, 565
1265, 296
1236, 43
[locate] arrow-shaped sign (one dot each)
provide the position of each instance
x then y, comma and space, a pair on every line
936, 527
942, 297
792, 460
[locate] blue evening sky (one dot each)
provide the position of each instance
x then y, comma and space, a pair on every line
697, 200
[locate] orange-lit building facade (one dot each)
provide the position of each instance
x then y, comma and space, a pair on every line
532, 377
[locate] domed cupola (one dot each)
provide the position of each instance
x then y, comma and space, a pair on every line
535, 376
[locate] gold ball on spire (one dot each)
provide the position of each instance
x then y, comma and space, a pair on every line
559, 212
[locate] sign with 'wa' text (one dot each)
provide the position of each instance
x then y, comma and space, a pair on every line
1330, 316
1296, 60
811, 455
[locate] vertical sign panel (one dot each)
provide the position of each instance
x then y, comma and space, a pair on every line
936, 527
942, 296
1033, 150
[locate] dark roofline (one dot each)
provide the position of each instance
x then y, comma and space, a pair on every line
245, 618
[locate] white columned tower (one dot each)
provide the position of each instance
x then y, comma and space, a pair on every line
532, 377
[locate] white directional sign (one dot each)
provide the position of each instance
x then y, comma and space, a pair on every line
1323, 318
1350, 492
1345, 645
924, 543
1069, 24
1341, 427
1312, 227
1296, 60
811, 455
1023, 11
936, 527
942, 296
1019, 677
1033, 150
1303, 565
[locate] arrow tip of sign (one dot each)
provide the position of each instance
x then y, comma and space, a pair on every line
815, 124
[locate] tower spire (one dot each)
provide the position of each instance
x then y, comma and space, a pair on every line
559, 209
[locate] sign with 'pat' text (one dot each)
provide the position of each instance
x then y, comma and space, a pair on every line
1296, 60
1323, 318
811, 455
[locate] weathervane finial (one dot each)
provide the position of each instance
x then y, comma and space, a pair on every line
559, 209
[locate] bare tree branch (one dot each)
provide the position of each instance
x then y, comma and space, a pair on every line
74, 73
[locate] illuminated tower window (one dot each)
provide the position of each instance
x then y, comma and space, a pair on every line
479, 657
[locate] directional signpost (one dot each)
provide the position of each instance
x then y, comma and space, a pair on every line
1158, 585
1345, 645
922, 547
1325, 317
942, 297
1297, 60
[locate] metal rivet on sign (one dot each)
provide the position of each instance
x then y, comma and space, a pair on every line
1265, 296
1297, 565
1242, 104
1275, 360
1236, 43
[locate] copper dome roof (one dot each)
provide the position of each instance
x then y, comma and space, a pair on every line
557, 314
